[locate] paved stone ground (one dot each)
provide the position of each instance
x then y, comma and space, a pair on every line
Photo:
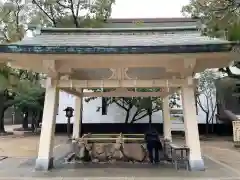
221, 159
15, 146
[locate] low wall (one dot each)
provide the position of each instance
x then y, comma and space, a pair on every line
219, 129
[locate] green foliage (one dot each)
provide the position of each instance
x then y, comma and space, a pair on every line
4, 77
66, 14
17, 15
102, 8
13, 20
26, 90
29, 96
221, 19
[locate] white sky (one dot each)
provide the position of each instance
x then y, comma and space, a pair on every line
148, 8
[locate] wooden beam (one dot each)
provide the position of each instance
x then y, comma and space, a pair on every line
72, 91
124, 94
117, 93
117, 135
87, 84
113, 140
50, 67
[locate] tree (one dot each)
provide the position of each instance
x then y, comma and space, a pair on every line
30, 96
144, 106
149, 105
17, 15
13, 28
217, 15
140, 107
221, 19
7, 92
206, 95
13, 20
72, 13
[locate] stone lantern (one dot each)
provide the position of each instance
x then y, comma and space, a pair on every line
69, 115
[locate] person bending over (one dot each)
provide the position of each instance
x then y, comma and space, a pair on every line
153, 145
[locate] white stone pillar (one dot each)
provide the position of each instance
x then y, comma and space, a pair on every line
191, 129
167, 124
77, 117
45, 153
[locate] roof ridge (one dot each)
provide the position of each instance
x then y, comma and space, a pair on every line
117, 30
153, 20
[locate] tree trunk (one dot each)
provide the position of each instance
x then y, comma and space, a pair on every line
150, 116
127, 116
2, 129
207, 124
25, 120
33, 123
40, 118
212, 126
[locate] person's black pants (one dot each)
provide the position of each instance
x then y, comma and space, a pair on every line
153, 149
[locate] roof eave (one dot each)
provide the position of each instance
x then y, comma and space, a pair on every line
38, 49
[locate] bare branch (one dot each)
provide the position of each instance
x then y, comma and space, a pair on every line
207, 100
51, 18
75, 20
78, 8
200, 104
139, 112
6, 37
212, 115
62, 5
121, 105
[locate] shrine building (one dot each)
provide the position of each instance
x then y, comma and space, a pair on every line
166, 57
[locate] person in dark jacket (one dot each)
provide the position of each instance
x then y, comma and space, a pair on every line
153, 145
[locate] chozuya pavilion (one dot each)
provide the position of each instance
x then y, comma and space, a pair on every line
120, 58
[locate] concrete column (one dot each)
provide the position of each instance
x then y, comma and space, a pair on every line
45, 153
167, 124
77, 117
191, 129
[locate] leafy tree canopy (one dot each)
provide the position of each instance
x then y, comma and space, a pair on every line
222, 20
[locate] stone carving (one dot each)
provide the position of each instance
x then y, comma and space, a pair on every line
120, 74
134, 151
107, 152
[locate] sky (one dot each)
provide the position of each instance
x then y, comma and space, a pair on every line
148, 8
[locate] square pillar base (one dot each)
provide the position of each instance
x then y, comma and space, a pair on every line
44, 164
197, 165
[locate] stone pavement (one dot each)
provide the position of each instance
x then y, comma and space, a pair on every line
23, 170
222, 153
221, 159
15, 146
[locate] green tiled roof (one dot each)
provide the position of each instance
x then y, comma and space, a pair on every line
120, 37
118, 41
